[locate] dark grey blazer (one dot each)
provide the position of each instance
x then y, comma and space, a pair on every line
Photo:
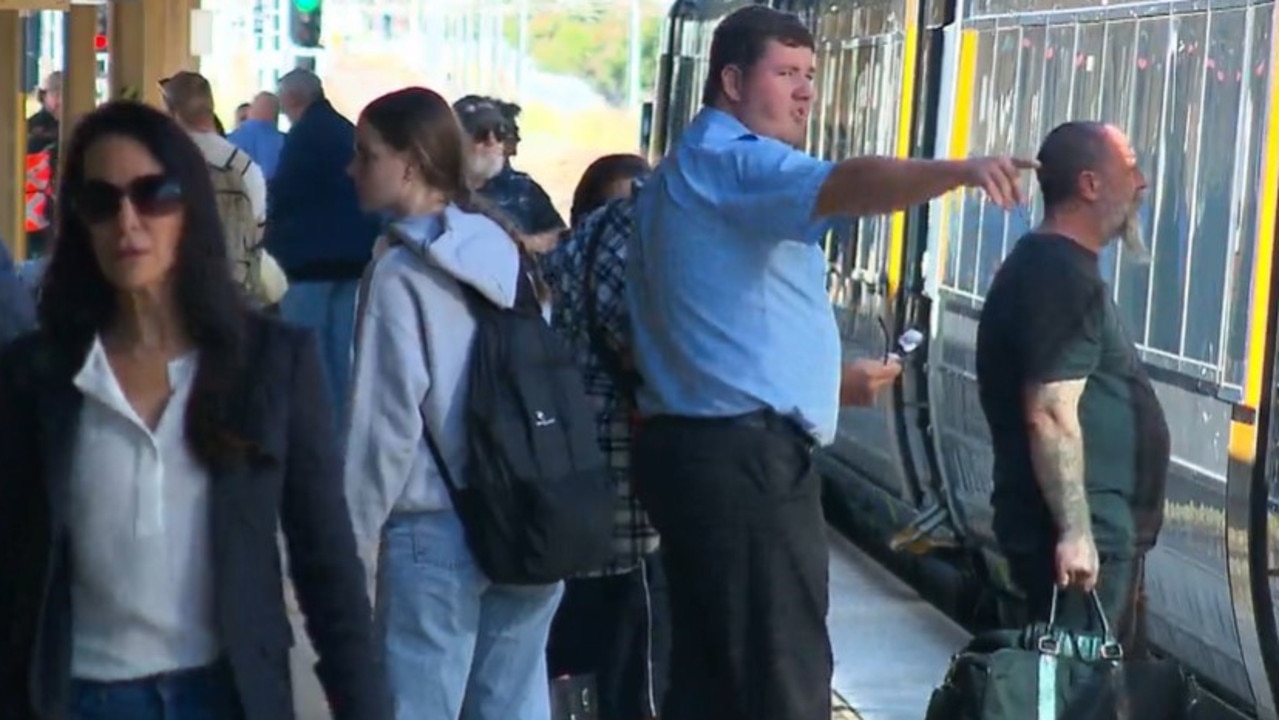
293, 473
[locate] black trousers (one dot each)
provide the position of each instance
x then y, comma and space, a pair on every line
616, 628
738, 505
1120, 588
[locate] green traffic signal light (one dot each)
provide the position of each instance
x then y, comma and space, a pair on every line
306, 6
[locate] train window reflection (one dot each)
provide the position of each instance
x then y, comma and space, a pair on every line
998, 140
1116, 99
1255, 76
1213, 227
856, 115
1143, 122
1028, 107
1193, 98
1086, 87
1059, 67
1178, 166
967, 244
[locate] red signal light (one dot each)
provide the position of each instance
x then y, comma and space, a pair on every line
99, 42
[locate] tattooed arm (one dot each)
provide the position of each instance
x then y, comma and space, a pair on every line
1057, 452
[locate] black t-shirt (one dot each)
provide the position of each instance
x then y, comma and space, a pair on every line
1049, 317
42, 131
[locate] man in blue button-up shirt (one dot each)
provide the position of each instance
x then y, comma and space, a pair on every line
737, 345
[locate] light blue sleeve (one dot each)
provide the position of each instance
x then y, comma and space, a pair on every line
776, 189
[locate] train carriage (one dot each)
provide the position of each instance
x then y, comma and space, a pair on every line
1192, 83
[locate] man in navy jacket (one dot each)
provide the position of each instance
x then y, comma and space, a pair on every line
315, 228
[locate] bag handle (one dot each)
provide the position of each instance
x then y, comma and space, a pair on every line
1111, 650
1110, 647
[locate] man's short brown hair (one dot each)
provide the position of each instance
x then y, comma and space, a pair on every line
188, 95
742, 37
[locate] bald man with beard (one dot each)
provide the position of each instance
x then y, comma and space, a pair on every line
1080, 441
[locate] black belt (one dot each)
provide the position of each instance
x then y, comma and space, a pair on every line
765, 420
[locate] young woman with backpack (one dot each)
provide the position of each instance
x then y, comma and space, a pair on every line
452, 637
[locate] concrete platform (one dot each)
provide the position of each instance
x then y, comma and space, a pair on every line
891, 647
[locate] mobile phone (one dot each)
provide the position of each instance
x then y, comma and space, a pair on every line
908, 343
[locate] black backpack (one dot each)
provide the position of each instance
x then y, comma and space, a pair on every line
539, 497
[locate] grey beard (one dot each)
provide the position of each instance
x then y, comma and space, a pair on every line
1130, 236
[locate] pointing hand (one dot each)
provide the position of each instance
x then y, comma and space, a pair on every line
999, 177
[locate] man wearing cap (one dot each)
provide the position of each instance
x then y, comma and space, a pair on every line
42, 160
511, 111
189, 98
42, 127
516, 194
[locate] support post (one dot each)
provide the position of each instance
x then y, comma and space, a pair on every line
139, 50
177, 36
79, 66
13, 147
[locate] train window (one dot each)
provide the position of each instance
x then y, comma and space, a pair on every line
1255, 75
978, 9
1028, 109
1085, 101
684, 81
861, 80
1177, 173
1132, 290
822, 126
1193, 99
999, 140
1213, 228
964, 248
1116, 98
845, 113
876, 138
1059, 65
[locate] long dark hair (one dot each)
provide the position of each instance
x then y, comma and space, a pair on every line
77, 301
589, 195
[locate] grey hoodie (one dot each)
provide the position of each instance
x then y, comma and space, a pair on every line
412, 349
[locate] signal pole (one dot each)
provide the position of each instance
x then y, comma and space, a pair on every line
633, 65
521, 56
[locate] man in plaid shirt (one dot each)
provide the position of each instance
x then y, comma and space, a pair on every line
611, 623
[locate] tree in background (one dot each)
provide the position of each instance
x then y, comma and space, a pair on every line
591, 41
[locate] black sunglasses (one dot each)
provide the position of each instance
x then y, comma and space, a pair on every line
151, 195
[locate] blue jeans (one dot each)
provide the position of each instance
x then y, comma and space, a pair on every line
199, 694
329, 309
457, 645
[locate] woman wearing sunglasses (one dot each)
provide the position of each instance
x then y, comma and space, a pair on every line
153, 432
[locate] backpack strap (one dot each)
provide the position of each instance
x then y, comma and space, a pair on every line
440, 465
627, 380
230, 162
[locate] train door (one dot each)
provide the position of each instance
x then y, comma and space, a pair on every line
863, 52
1252, 510
933, 525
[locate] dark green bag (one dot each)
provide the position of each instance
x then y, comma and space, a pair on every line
1031, 674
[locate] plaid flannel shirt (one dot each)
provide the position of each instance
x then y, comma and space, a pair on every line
565, 270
